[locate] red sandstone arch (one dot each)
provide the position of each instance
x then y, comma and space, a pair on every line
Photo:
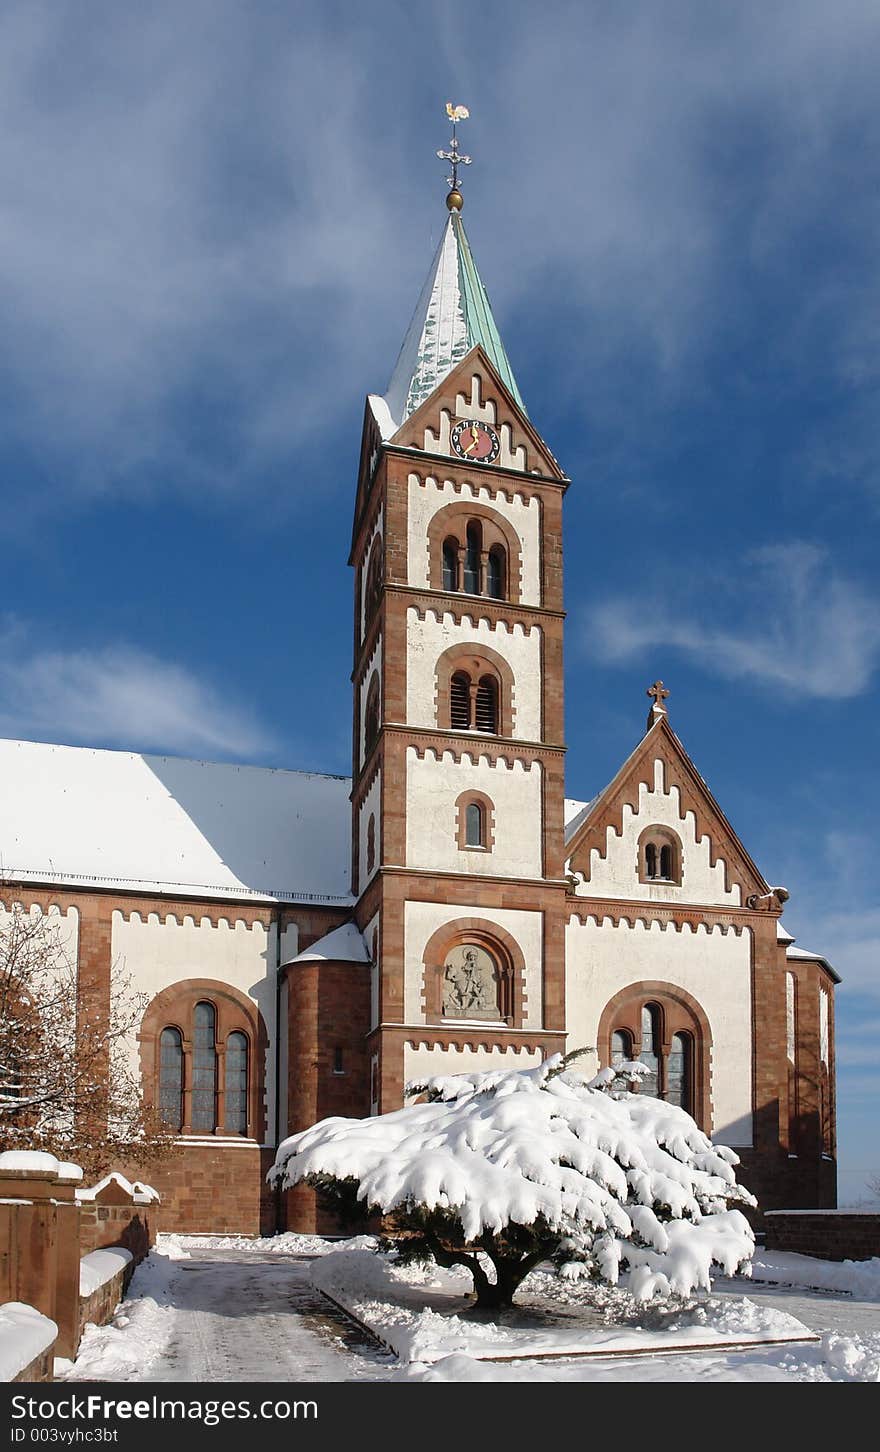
679, 1013
453, 519
477, 659
503, 948
173, 1008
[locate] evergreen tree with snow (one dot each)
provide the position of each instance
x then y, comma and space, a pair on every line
500, 1171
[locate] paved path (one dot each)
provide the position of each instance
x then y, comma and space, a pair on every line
247, 1316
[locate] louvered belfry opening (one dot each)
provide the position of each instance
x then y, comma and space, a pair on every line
487, 705
460, 702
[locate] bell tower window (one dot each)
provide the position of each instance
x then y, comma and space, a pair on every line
460, 701
660, 856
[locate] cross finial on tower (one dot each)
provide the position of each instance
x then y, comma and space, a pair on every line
455, 200
659, 692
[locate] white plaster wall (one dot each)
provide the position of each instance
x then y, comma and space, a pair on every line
61, 927
617, 874
421, 1062
427, 639
714, 967
369, 807
377, 529
434, 784
158, 952
375, 664
427, 496
422, 919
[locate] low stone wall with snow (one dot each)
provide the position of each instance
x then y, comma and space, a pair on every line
103, 1280
27, 1343
117, 1211
827, 1234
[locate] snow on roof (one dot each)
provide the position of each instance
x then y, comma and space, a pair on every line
803, 955
452, 315
575, 813
343, 945
781, 935
76, 815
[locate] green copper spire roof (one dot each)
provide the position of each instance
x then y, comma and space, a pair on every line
451, 317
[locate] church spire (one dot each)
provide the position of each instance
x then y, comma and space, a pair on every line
453, 313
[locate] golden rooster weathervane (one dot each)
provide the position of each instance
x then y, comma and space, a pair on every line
455, 200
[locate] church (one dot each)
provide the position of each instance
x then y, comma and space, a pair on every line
308, 944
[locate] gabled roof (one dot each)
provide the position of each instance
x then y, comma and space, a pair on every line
453, 315
587, 829
162, 824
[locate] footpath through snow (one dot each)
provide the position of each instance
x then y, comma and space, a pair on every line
230, 1309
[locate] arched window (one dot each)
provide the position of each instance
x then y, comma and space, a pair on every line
204, 1080
486, 706
371, 843
679, 1072
203, 1057
472, 559
171, 1078
460, 701
666, 1029
450, 564
659, 855
371, 716
235, 1119
474, 549
495, 572
621, 1048
473, 825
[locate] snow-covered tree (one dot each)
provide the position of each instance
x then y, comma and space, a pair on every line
533, 1165
65, 1081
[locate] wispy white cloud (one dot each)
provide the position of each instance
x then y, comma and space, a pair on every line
217, 204
120, 696
800, 624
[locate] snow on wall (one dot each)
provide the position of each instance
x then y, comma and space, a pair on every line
714, 967
419, 1063
371, 806
159, 952
428, 638
434, 784
617, 874
422, 919
374, 666
428, 495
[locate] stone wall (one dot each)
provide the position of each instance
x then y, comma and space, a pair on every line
827, 1234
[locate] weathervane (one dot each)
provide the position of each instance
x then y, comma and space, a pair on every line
455, 200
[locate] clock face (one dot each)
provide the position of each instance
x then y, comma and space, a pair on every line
473, 440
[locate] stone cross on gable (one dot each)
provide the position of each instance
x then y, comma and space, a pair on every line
659, 692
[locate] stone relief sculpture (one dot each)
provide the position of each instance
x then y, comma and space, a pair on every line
469, 980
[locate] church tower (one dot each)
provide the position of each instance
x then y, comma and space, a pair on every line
457, 768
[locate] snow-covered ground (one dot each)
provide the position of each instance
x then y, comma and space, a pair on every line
228, 1309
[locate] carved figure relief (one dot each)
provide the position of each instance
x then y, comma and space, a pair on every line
470, 984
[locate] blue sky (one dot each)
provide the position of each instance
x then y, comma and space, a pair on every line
215, 222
